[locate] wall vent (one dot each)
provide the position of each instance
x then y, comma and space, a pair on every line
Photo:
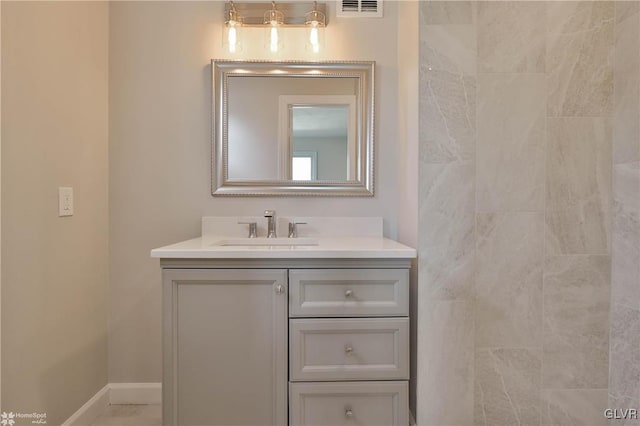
359, 9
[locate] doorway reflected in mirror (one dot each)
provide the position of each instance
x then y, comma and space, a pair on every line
322, 125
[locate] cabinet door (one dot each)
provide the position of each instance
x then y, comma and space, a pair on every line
225, 347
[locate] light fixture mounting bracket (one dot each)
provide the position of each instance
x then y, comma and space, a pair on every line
294, 13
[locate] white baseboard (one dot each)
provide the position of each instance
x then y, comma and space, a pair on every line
91, 409
115, 393
135, 393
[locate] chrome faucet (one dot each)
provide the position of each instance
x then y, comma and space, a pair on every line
271, 223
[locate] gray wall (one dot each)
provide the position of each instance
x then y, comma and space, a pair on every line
54, 270
160, 136
516, 106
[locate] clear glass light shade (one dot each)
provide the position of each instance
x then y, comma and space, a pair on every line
232, 37
273, 19
315, 23
314, 38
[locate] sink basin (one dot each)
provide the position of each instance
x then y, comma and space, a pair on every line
267, 242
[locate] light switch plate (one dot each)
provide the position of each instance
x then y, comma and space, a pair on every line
65, 201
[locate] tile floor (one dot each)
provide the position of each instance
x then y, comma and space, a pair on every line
130, 415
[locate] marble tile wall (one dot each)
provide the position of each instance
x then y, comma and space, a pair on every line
447, 205
578, 66
576, 324
508, 284
520, 127
578, 204
624, 371
511, 129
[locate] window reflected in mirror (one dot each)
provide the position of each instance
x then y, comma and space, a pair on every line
304, 165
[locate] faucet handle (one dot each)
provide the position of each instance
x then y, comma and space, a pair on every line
293, 228
253, 228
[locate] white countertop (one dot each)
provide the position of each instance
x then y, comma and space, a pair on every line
327, 248
336, 237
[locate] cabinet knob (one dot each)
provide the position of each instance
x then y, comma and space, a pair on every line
279, 289
348, 293
348, 349
348, 412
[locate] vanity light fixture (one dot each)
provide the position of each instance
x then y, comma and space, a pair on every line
233, 25
304, 15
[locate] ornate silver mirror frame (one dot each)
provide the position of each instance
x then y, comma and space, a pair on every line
360, 183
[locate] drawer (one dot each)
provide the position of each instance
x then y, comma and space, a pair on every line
348, 349
349, 403
348, 292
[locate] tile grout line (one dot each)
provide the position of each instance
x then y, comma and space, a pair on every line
611, 200
545, 149
475, 224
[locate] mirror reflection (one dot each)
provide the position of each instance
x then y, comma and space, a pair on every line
274, 119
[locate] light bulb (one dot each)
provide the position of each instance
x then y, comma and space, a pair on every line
232, 38
313, 37
273, 45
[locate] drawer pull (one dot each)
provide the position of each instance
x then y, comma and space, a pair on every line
280, 289
348, 293
348, 412
348, 349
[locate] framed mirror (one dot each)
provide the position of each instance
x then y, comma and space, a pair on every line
293, 128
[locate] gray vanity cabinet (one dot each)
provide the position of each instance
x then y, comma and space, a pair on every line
225, 347
303, 342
